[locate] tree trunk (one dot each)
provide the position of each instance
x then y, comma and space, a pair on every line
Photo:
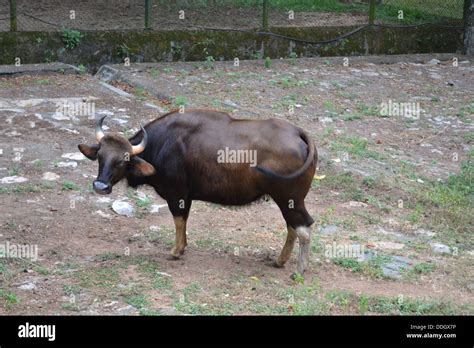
469, 27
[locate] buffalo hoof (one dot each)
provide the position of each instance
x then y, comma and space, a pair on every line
276, 264
172, 258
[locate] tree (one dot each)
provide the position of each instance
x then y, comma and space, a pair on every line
469, 27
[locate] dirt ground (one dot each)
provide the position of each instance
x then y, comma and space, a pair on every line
110, 15
397, 186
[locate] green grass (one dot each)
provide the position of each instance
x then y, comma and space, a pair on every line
466, 113
70, 186
8, 298
423, 268
180, 101
24, 189
372, 267
154, 72
355, 146
140, 93
139, 301
448, 206
364, 304
104, 277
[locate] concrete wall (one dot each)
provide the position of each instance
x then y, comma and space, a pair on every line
98, 48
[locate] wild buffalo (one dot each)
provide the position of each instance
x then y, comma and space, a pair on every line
210, 156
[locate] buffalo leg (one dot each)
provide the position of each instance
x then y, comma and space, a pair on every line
299, 226
287, 248
304, 239
180, 211
181, 241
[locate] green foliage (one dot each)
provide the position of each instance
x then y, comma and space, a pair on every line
71, 38
268, 62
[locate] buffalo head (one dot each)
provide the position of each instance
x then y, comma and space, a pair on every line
117, 157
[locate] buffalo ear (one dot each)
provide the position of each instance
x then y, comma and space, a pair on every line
90, 151
141, 167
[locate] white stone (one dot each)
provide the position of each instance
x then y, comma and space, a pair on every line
50, 176
67, 164
122, 208
27, 286
72, 131
58, 116
325, 119
155, 208
440, 248
434, 61
389, 245
355, 204
102, 214
13, 179
425, 232
76, 156
104, 200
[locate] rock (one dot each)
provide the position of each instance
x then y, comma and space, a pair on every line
15, 179
398, 264
103, 200
425, 232
329, 229
434, 61
389, 245
168, 311
105, 112
119, 121
164, 274
440, 248
67, 164
102, 214
59, 116
370, 73
355, 204
76, 198
436, 76
155, 208
72, 131
76, 156
128, 310
49, 176
122, 208
325, 119
28, 286
230, 103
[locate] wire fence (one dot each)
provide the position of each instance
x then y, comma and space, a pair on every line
53, 15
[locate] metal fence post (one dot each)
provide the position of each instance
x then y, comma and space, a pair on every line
372, 11
265, 15
13, 23
147, 14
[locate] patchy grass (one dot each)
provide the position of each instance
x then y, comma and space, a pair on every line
70, 186
448, 206
8, 298
370, 267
